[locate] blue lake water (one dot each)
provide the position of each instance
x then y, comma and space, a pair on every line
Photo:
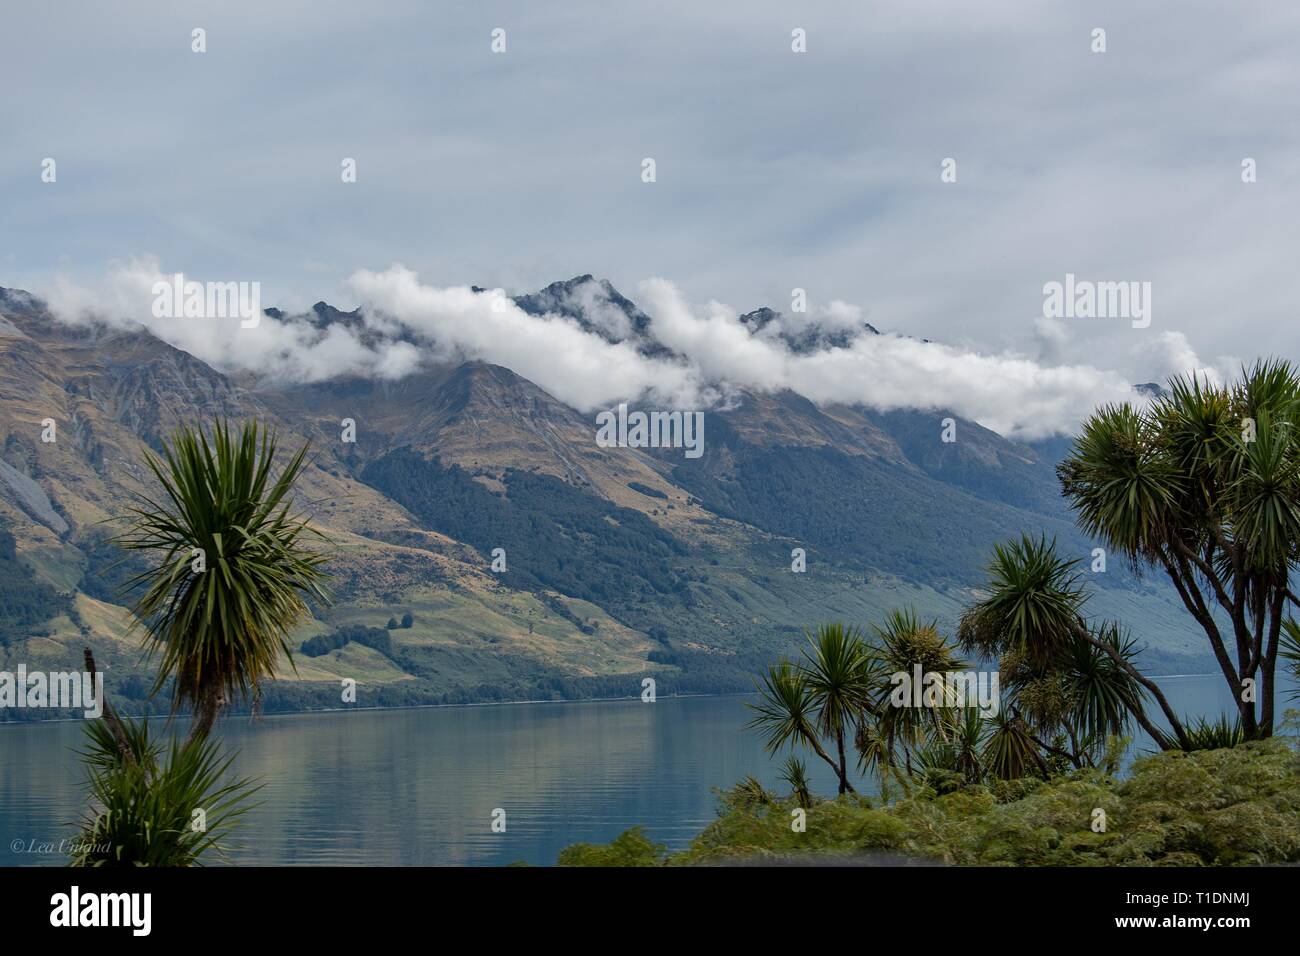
419, 787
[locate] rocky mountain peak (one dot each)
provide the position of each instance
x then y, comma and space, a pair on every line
804, 337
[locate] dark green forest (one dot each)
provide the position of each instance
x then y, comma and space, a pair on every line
26, 602
555, 536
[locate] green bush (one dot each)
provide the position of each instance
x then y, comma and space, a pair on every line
1238, 806
630, 848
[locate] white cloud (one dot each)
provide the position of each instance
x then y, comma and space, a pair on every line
577, 367
1170, 354
1008, 393
287, 349
407, 324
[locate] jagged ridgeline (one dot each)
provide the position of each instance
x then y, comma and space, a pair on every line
615, 562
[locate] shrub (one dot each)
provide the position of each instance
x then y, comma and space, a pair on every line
1237, 806
630, 848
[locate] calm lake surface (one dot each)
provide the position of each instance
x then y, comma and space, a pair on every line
418, 787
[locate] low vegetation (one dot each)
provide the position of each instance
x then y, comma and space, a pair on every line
1238, 806
154, 809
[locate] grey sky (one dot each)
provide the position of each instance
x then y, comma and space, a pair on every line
775, 169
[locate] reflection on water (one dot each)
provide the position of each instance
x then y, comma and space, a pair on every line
418, 787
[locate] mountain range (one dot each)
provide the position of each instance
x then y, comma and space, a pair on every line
619, 562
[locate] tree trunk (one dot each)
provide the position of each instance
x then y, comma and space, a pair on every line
206, 711
843, 768
110, 717
820, 751
1162, 740
1185, 581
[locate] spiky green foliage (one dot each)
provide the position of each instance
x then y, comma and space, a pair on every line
936, 767
836, 671
1083, 697
1291, 649
1066, 675
1033, 605
904, 643
221, 626
843, 689
1205, 486
143, 808
747, 794
786, 713
820, 698
1010, 751
1205, 734
795, 773
970, 730
1103, 695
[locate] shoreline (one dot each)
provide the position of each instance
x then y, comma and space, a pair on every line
485, 703
398, 707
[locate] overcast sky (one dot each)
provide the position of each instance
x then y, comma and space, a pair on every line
775, 170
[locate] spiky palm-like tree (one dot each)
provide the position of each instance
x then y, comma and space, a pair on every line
1205, 485
1010, 751
837, 672
902, 644
234, 570
822, 697
968, 741
1033, 614
1103, 694
786, 713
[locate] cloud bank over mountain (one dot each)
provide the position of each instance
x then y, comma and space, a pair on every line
590, 347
